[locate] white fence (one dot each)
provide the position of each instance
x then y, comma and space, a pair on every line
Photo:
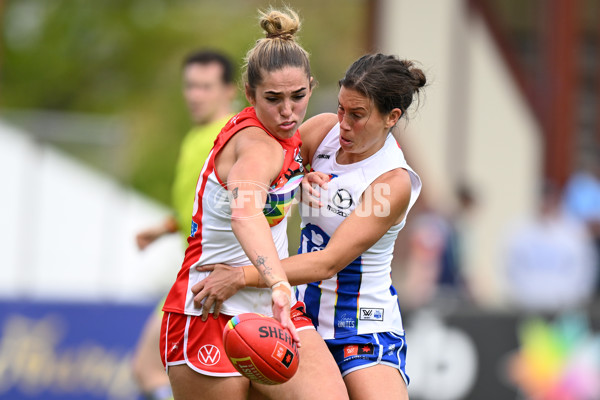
67, 232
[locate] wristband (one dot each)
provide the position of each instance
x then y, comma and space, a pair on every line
284, 283
251, 276
285, 287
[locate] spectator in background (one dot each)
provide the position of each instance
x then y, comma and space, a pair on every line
451, 277
582, 201
209, 92
419, 258
432, 257
549, 259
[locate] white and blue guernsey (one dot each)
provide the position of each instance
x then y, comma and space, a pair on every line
360, 298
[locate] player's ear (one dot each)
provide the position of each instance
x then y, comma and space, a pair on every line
393, 117
312, 83
250, 94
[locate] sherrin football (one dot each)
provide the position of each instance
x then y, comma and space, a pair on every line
260, 348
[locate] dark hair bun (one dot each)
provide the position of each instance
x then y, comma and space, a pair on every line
418, 76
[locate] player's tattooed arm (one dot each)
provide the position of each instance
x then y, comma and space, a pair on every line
234, 193
261, 264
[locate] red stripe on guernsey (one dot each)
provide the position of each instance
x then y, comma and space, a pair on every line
193, 253
178, 292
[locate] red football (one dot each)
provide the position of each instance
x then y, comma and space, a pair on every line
260, 348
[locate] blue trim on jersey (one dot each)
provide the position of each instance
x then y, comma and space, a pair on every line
312, 299
313, 292
348, 282
395, 293
345, 322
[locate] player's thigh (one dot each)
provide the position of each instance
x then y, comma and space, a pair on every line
147, 349
379, 382
148, 369
317, 377
190, 385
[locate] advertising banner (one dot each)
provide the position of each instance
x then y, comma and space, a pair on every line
68, 351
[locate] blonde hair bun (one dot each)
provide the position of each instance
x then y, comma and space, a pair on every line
280, 24
277, 50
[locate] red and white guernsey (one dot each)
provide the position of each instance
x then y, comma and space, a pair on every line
212, 240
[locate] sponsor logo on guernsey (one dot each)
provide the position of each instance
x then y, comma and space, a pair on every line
371, 314
325, 156
194, 229
338, 212
209, 354
342, 199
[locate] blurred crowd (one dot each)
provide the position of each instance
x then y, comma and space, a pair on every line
549, 260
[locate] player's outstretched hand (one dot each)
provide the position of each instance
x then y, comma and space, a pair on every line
282, 300
150, 235
147, 237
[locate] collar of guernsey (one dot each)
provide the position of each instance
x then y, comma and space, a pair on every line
283, 188
194, 150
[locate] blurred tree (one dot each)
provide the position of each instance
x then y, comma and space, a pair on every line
122, 58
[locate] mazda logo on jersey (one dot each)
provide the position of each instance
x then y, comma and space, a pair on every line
209, 354
342, 199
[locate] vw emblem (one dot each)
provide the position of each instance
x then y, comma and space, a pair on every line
342, 199
209, 354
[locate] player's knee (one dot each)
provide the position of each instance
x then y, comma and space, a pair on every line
137, 368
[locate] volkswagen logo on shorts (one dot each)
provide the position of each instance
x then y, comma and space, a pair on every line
209, 354
342, 199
